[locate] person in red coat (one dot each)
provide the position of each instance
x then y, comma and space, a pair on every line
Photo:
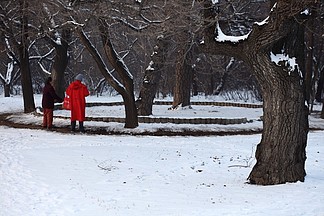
77, 92
48, 99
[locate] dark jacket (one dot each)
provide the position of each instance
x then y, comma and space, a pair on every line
49, 97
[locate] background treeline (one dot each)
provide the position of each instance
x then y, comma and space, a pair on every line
53, 45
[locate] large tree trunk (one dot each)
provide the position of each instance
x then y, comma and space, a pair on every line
281, 154
26, 81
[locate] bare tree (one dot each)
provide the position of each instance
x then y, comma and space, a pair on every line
11, 73
14, 22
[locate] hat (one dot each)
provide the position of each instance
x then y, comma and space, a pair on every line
79, 77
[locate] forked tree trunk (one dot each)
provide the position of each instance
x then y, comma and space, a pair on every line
131, 117
281, 153
127, 90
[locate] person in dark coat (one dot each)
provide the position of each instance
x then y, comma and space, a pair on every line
48, 100
77, 92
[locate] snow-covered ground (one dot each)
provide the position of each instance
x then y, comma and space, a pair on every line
48, 173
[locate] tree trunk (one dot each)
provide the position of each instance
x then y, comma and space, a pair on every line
194, 83
320, 86
60, 64
26, 81
131, 118
151, 80
221, 84
310, 74
126, 91
6, 90
183, 80
281, 154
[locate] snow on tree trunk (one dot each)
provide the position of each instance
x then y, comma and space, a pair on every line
151, 79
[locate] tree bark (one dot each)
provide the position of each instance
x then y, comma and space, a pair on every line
131, 118
151, 80
60, 64
183, 80
26, 81
281, 153
320, 86
128, 97
6, 90
310, 73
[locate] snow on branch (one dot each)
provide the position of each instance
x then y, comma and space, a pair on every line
127, 23
72, 22
98, 58
129, 49
43, 69
150, 66
221, 37
263, 22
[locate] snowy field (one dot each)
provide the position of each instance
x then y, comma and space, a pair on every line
44, 173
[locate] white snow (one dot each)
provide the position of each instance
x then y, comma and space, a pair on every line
149, 67
46, 173
263, 22
221, 37
288, 61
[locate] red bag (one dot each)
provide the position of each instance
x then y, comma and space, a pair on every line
66, 103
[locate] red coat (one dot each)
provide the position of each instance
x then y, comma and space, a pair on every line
77, 93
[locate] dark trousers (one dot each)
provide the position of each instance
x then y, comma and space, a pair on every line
81, 127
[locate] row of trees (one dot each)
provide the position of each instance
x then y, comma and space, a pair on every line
176, 47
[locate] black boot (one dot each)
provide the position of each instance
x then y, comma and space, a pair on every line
81, 128
73, 124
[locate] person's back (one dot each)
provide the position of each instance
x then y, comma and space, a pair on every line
77, 92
